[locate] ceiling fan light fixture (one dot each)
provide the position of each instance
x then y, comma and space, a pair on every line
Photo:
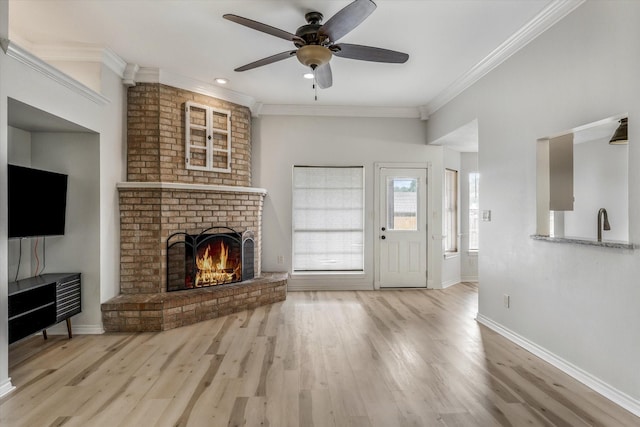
308, 76
313, 55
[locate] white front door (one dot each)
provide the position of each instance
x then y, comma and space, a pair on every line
402, 228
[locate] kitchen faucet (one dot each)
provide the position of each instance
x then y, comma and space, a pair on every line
602, 212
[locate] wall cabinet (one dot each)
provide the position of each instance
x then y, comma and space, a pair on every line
37, 303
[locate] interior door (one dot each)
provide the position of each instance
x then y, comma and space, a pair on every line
402, 227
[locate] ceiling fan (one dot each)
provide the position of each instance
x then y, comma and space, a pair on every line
316, 42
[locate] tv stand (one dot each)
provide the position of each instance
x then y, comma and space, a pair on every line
37, 303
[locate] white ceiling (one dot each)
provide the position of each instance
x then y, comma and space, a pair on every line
445, 39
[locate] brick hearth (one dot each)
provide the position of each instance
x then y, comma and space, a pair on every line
161, 197
163, 311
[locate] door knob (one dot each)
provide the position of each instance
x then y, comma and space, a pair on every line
384, 229
383, 237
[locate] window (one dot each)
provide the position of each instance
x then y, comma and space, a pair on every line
207, 138
402, 204
328, 219
474, 210
450, 211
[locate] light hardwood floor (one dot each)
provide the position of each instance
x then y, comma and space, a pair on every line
386, 358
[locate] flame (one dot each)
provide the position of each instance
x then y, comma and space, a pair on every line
214, 273
224, 254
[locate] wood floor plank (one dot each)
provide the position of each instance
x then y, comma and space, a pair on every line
384, 358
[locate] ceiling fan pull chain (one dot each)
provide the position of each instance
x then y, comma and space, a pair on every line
315, 85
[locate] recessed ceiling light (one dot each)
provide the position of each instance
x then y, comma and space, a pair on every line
308, 76
221, 80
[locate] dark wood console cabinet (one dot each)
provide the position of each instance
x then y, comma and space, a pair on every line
37, 303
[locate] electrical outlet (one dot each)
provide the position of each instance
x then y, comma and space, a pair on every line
280, 259
506, 300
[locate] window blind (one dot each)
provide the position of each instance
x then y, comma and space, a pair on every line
328, 219
474, 210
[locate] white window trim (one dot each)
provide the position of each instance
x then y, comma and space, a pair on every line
210, 131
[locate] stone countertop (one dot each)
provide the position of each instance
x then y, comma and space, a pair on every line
587, 242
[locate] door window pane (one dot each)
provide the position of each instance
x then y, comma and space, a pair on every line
402, 204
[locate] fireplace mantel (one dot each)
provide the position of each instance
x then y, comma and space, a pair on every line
185, 186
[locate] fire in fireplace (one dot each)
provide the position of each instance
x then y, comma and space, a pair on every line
216, 256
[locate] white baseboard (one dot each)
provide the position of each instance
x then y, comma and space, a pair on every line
329, 286
448, 283
6, 387
469, 279
61, 329
618, 397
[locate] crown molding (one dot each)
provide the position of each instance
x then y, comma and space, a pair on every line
544, 20
113, 61
424, 112
155, 75
14, 51
129, 75
76, 53
147, 75
339, 111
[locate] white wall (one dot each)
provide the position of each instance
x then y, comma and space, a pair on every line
600, 180
468, 261
113, 161
576, 305
35, 88
75, 154
451, 263
279, 142
88, 73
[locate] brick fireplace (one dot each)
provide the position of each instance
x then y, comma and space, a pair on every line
162, 197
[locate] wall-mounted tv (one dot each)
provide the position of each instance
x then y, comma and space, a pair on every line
37, 202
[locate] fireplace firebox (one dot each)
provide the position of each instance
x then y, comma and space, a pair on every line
216, 256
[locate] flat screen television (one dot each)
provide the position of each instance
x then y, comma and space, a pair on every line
37, 202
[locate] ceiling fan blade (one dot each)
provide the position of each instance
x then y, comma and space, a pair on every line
368, 53
347, 19
259, 26
268, 60
324, 77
